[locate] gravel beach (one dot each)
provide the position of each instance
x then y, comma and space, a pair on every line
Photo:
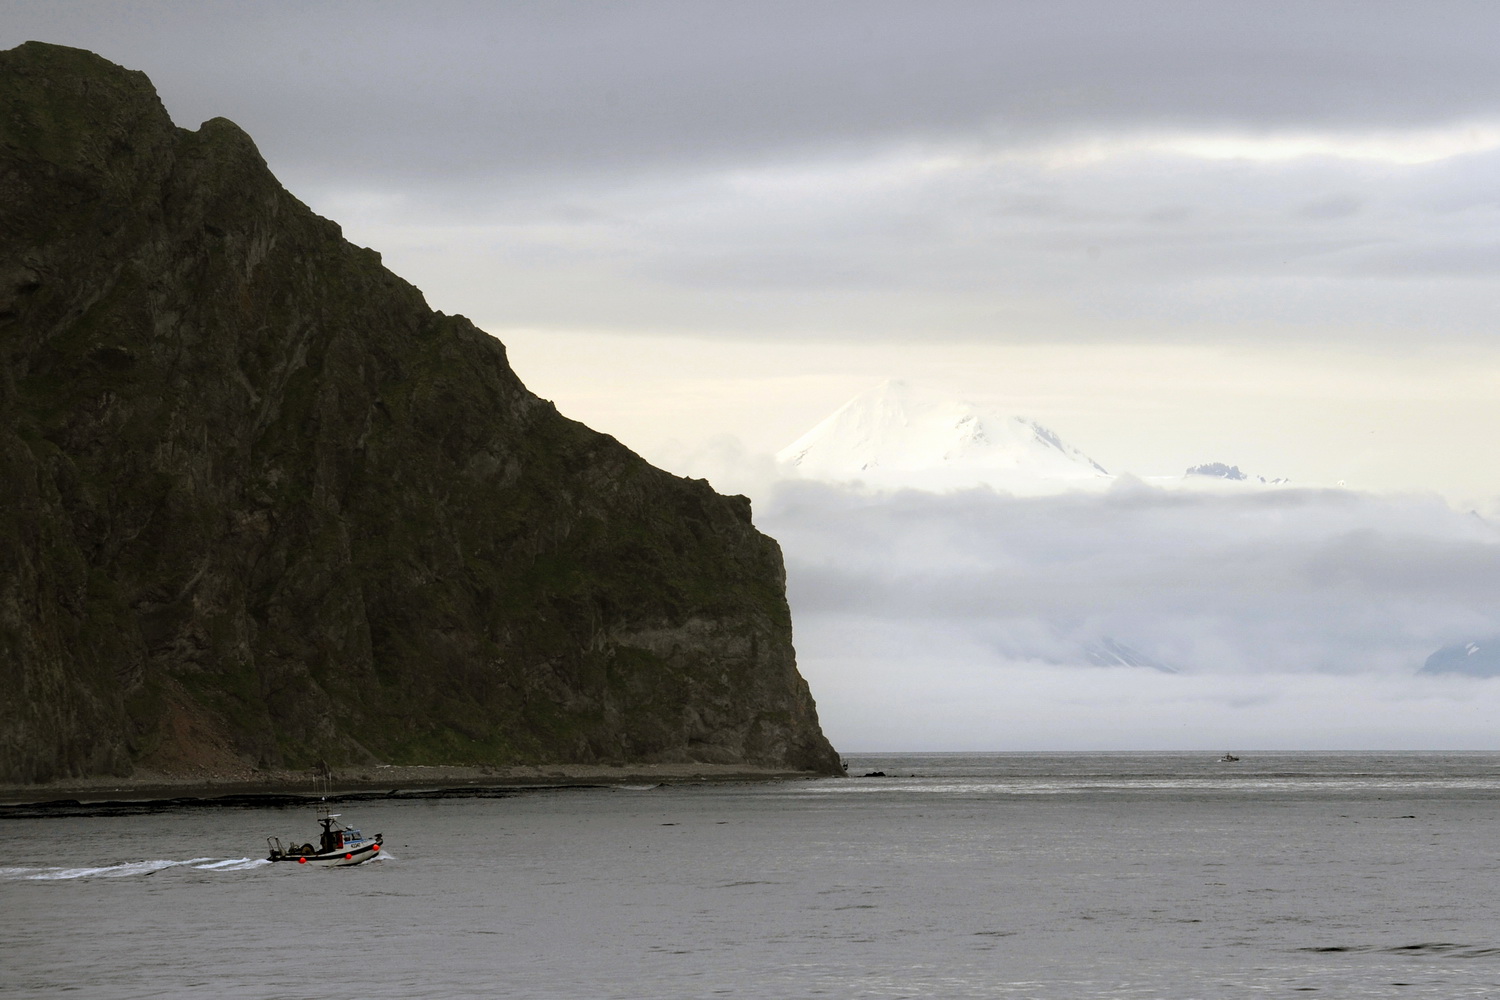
208, 784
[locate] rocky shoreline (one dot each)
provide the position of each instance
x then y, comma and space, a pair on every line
244, 788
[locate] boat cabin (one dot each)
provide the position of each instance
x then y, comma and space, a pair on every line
335, 837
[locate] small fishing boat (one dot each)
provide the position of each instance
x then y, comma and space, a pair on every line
1228, 758
338, 846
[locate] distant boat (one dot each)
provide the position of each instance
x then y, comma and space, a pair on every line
1228, 758
338, 846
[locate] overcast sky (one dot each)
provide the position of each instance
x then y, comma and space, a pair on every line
1256, 233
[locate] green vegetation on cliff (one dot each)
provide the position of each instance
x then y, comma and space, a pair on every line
259, 503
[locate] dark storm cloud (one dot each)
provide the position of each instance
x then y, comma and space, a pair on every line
386, 89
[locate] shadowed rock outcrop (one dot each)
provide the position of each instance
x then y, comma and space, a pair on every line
260, 504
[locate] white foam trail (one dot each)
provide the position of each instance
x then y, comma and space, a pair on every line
128, 868
234, 865
109, 871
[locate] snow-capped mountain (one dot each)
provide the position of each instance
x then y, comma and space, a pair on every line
1479, 658
894, 436
1232, 473
1216, 477
1110, 652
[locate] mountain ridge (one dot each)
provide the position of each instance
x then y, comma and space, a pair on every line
268, 508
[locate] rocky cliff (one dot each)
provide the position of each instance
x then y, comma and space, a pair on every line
260, 504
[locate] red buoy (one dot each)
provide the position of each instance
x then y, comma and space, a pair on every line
301, 861
348, 857
377, 848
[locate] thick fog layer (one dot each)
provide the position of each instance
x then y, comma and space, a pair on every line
1137, 618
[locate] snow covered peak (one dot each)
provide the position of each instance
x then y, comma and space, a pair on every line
1215, 477
896, 436
1231, 474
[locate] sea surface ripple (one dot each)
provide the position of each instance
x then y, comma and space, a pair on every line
1045, 876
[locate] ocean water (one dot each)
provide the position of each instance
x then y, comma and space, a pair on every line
1064, 876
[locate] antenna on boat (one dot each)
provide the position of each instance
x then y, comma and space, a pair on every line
323, 775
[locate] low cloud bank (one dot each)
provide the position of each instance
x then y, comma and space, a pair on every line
1275, 618
883, 688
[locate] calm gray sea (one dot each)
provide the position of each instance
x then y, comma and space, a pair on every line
1062, 876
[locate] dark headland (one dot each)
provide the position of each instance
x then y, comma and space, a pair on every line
262, 509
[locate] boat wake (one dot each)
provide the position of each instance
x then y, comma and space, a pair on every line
128, 868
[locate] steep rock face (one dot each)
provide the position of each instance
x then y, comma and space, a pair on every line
259, 503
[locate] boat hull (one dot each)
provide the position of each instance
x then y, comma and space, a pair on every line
341, 858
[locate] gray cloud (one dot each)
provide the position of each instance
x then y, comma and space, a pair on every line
391, 89
1338, 206
862, 170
